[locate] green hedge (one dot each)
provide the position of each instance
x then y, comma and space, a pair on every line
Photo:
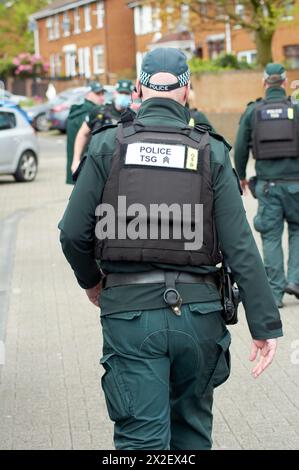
223, 62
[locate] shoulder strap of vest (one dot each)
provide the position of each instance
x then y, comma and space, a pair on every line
194, 133
206, 128
103, 128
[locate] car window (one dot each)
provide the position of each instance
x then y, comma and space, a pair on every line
7, 121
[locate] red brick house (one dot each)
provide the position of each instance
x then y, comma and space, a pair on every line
205, 38
86, 38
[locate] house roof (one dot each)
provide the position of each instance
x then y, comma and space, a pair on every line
59, 6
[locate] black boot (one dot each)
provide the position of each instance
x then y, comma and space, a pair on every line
292, 289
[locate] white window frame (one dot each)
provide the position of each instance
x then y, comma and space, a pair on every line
56, 27
66, 21
87, 19
247, 55
77, 29
81, 60
49, 26
100, 14
185, 14
98, 50
70, 59
87, 70
156, 20
58, 64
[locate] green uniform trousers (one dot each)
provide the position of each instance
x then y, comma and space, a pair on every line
160, 372
277, 203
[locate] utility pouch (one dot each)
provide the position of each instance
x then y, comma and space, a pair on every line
252, 182
230, 296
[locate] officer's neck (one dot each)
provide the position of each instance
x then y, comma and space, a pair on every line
275, 91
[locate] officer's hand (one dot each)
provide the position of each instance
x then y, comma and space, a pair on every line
244, 184
93, 294
74, 166
267, 350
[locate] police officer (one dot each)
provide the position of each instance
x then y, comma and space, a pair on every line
121, 99
270, 126
95, 119
77, 115
165, 342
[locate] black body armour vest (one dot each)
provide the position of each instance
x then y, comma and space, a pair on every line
275, 130
155, 166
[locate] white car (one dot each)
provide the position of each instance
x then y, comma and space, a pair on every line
17, 99
18, 146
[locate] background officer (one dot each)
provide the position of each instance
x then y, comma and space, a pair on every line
121, 99
76, 117
100, 116
162, 363
271, 127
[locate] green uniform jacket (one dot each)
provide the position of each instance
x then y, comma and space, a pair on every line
236, 241
76, 117
265, 169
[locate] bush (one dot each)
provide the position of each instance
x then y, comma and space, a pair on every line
223, 62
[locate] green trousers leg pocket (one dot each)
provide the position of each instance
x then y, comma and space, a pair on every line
118, 398
221, 371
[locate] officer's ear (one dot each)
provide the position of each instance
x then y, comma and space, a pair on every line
138, 88
187, 93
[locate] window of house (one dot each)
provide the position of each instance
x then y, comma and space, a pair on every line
247, 56
215, 48
100, 13
143, 20
81, 60
49, 26
185, 14
66, 26
70, 63
98, 60
240, 10
289, 11
291, 54
87, 21
87, 71
56, 27
76, 21
156, 20
169, 13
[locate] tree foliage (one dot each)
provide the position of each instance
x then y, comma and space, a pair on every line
261, 17
15, 36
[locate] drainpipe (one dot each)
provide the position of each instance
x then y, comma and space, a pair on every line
228, 37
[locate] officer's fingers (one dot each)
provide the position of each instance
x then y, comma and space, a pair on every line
267, 355
253, 352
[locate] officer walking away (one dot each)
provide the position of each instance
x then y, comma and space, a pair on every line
156, 206
77, 115
95, 119
270, 126
121, 99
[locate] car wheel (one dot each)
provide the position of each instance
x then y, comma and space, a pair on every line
41, 123
27, 167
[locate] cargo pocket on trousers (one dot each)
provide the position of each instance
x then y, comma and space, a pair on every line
222, 369
259, 219
118, 398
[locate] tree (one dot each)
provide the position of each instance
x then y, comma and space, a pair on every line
261, 17
15, 36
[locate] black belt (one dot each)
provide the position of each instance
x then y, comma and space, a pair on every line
157, 277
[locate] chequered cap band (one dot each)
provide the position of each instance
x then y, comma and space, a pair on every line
183, 80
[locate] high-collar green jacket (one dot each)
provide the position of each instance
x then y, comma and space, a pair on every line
76, 117
284, 168
234, 234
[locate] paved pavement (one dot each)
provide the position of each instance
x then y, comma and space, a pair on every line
50, 396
